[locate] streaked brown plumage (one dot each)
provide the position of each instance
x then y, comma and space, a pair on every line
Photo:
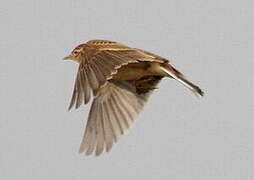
120, 79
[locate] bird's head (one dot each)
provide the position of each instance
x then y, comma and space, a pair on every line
76, 53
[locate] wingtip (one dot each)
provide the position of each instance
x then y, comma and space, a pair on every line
80, 151
69, 108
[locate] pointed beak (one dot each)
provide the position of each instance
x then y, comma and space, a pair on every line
67, 57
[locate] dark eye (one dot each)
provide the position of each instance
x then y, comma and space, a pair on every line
75, 52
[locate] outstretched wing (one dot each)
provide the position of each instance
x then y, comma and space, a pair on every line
113, 111
99, 63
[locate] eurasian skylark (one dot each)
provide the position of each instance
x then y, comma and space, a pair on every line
120, 80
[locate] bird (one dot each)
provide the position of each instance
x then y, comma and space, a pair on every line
120, 80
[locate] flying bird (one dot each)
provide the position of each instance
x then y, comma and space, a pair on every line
119, 79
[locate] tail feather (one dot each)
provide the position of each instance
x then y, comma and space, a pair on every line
172, 72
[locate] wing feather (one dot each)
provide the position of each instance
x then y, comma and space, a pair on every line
86, 87
73, 97
114, 109
91, 76
108, 133
80, 95
89, 145
112, 122
101, 78
115, 119
99, 131
124, 109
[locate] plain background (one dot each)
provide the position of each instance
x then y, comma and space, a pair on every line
177, 136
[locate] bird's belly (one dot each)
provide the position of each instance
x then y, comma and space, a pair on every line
138, 70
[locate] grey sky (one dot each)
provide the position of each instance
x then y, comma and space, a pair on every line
177, 136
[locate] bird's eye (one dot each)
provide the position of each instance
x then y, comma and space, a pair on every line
75, 52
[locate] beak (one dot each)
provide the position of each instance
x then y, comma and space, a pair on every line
67, 57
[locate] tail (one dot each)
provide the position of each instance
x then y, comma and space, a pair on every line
172, 72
